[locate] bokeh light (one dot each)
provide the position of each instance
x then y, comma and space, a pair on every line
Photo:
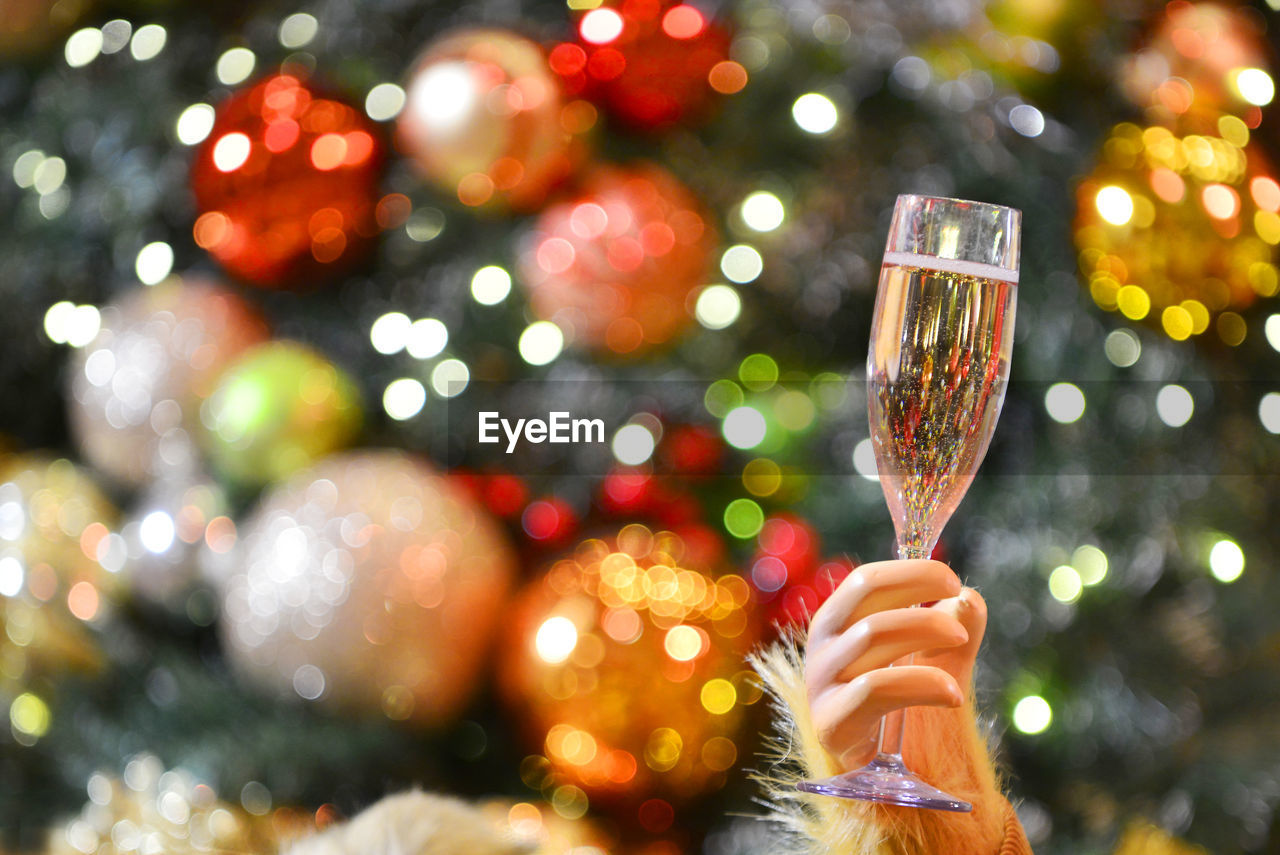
404, 398
235, 66
1226, 561
717, 306
1115, 205
762, 211
154, 262
1255, 86
555, 640
744, 427
743, 518
1269, 412
864, 460
297, 30
741, 263
390, 332
1091, 563
147, 42
1122, 348
1065, 584
633, 444
83, 47
1271, 328
1174, 405
427, 337
490, 285
194, 124
384, 102
600, 26
815, 114
541, 342
450, 378
1032, 714
1064, 402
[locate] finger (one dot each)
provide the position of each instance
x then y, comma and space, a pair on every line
970, 611
847, 717
882, 585
881, 639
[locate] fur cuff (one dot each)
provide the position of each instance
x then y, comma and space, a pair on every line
948, 751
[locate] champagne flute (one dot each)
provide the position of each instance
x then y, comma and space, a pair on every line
937, 368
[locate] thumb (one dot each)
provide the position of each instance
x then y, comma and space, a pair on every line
970, 610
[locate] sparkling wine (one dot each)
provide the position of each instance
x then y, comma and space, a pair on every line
938, 366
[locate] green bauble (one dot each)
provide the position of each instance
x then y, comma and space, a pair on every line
277, 409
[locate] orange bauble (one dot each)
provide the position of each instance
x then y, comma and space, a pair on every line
615, 266
286, 184
485, 120
627, 667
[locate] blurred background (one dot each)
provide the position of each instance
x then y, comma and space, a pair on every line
263, 264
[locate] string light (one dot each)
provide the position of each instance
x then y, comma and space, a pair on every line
490, 285
234, 66
1174, 405
147, 42
154, 262
384, 102
298, 30
1114, 205
404, 398
1226, 561
1032, 715
815, 114
717, 307
744, 427
1065, 584
1064, 402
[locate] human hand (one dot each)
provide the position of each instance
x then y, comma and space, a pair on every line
866, 626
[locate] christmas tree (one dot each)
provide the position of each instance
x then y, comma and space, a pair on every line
270, 271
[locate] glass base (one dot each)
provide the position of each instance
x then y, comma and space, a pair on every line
885, 779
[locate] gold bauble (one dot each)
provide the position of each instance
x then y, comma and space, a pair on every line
1180, 231
55, 550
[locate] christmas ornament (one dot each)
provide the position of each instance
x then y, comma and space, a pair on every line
614, 267
286, 183
651, 64
1179, 230
136, 388
154, 810
168, 533
277, 409
485, 120
57, 563
625, 663
1203, 60
368, 582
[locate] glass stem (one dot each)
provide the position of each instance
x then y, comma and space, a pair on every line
893, 724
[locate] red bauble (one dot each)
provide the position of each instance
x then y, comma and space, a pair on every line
650, 63
286, 183
614, 267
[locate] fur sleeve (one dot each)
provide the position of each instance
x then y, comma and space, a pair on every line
948, 751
